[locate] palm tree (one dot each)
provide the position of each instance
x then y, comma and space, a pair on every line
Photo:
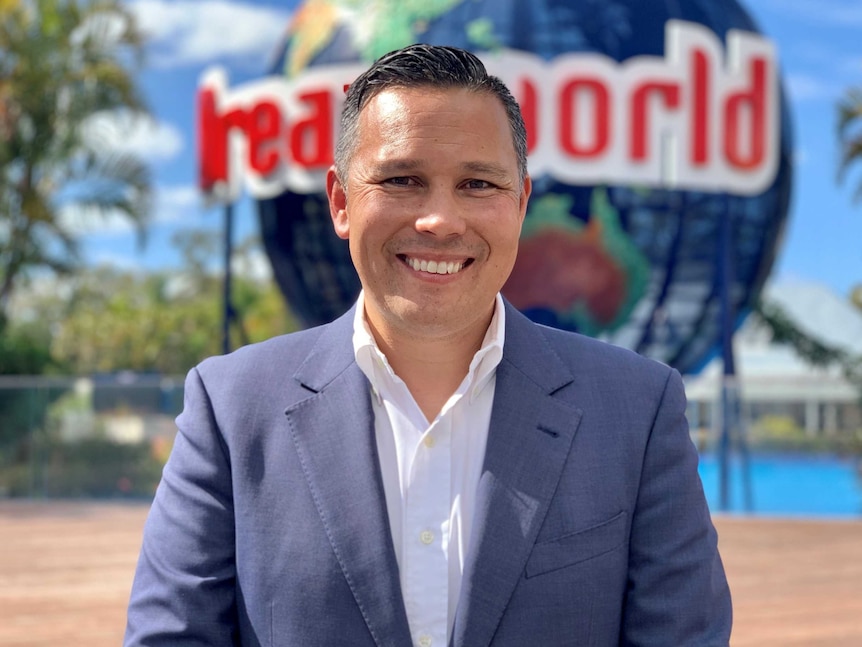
850, 134
850, 142
62, 62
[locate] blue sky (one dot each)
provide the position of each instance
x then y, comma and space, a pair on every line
818, 48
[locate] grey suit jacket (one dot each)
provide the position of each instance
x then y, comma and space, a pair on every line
270, 528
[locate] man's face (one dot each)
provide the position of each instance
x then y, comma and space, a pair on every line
432, 209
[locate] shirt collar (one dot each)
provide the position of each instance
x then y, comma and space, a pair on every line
377, 369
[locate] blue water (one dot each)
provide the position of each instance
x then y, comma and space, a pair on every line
788, 486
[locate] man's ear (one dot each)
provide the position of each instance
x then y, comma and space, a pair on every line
526, 190
337, 204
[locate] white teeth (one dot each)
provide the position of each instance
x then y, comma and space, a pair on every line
435, 267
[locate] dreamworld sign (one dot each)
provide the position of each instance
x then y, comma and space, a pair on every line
699, 118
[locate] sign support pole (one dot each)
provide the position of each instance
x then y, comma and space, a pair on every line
725, 280
228, 312
732, 434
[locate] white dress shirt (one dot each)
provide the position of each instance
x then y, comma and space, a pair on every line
430, 474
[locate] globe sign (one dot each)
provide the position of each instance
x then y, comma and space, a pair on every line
656, 131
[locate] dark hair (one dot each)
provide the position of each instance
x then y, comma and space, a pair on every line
424, 65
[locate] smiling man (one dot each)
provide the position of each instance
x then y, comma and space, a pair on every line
432, 468
432, 202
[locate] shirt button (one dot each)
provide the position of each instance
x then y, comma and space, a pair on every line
429, 441
426, 537
424, 641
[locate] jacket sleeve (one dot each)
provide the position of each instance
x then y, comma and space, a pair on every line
677, 592
184, 588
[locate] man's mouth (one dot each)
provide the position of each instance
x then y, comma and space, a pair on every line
435, 267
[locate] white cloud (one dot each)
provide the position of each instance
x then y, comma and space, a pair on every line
131, 133
172, 205
124, 262
851, 65
82, 221
253, 265
841, 13
191, 32
807, 87
177, 203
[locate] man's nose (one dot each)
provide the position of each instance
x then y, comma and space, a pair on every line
441, 215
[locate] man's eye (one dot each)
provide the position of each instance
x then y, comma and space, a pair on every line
477, 184
399, 181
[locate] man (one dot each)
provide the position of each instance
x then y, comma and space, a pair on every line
432, 468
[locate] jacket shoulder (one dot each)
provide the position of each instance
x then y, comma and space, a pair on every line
259, 368
581, 353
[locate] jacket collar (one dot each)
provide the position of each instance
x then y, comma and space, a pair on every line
530, 436
333, 431
529, 441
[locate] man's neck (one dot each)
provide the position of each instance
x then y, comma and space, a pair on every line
431, 367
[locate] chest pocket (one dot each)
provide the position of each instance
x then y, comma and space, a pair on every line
577, 547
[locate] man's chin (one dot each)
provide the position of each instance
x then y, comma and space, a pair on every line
432, 319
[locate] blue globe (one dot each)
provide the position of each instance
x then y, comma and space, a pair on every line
655, 286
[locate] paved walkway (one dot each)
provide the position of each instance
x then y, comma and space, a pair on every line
66, 569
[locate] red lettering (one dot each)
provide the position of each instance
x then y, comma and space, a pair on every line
753, 101
235, 119
668, 92
608, 118
701, 82
212, 143
263, 125
569, 117
311, 142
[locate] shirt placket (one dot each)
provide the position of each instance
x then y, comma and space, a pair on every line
425, 539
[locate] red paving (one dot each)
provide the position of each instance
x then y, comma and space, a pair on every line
66, 569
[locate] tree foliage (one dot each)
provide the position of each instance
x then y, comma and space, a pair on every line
107, 320
812, 350
164, 322
850, 145
63, 63
850, 134
24, 351
782, 327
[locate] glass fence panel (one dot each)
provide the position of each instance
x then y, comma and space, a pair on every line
103, 436
108, 437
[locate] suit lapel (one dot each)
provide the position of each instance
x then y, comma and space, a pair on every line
333, 431
529, 440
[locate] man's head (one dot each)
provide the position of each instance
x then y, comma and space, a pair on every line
433, 66
431, 192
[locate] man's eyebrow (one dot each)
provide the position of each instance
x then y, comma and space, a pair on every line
388, 166
488, 168
405, 165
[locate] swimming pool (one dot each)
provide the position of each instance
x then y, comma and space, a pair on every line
788, 485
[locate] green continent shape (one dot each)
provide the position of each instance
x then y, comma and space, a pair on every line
399, 22
550, 210
480, 33
392, 24
554, 211
626, 254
